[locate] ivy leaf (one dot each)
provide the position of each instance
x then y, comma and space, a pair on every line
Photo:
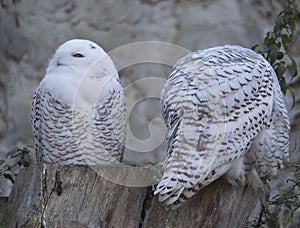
293, 25
254, 47
272, 55
283, 85
293, 67
279, 55
9, 177
26, 164
280, 70
285, 41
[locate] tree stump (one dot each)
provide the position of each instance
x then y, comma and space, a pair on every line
79, 197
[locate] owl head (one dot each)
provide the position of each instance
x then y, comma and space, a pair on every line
75, 54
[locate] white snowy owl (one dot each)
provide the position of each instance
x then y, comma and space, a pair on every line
78, 110
225, 114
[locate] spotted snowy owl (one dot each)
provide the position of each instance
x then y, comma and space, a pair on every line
78, 110
225, 114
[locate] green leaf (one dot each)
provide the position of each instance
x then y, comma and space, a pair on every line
279, 55
272, 54
285, 39
278, 24
26, 163
9, 177
280, 70
293, 25
293, 67
254, 47
267, 38
283, 85
278, 44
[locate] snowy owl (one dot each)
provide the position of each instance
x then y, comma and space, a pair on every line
78, 110
225, 114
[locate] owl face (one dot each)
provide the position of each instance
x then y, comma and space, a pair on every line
75, 54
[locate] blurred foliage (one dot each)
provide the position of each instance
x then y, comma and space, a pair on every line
276, 45
14, 160
279, 210
282, 208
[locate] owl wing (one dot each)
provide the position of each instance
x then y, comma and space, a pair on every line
110, 121
215, 102
36, 118
118, 115
270, 148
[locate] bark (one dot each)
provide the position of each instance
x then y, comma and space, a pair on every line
86, 199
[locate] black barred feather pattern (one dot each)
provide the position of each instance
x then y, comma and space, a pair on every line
225, 114
92, 132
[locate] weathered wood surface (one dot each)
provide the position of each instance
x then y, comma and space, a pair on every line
89, 200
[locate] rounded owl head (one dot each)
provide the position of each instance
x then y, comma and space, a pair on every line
75, 53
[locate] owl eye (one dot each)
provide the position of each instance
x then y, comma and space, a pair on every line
78, 55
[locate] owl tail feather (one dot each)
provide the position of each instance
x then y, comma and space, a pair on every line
174, 194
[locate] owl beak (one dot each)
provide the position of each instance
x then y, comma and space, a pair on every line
59, 63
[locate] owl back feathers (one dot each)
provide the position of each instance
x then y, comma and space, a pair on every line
224, 110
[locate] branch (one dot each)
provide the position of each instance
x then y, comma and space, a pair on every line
89, 200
